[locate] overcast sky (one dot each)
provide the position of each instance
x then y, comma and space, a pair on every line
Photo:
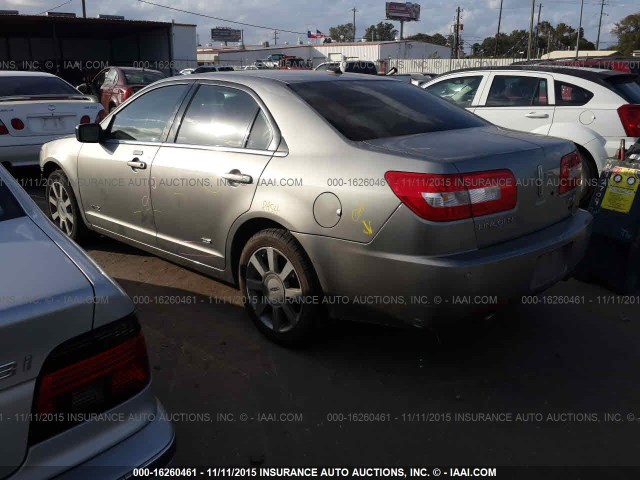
480, 17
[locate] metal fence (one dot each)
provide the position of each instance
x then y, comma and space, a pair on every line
443, 65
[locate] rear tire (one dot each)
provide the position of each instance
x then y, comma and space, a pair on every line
590, 177
62, 206
276, 278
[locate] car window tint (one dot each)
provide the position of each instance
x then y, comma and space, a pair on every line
11, 86
9, 207
146, 117
109, 79
141, 77
261, 133
460, 90
627, 86
368, 109
515, 91
99, 80
568, 94
218, 116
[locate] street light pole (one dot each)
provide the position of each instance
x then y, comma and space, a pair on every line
533, 11
579, 29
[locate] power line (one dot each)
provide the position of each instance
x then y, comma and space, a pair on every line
49, 9
219, 18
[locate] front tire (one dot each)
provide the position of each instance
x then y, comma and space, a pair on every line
62, 206
281, 291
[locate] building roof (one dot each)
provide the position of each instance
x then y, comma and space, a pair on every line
253, 48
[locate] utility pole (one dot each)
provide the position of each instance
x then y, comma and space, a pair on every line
495, 52
354, 23
533, 11
535, 43
84, 9
457, 40
548, 40
275, 37
579, 28
599, 25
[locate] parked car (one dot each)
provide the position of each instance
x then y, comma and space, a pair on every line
592, 108
72, 351
35, 108
273, 60
627, 65
351, 66
212, 68
417, 79
388, 192
113, 85
187, 71
293, 63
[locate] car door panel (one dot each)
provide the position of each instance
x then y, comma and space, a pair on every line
508, 101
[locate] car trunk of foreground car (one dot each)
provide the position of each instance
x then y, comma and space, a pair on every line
56, 366
28, 116
510, 183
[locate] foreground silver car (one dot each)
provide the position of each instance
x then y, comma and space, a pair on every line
75, 394
324, 193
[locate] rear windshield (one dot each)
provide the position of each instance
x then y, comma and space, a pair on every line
141, 77
365, 110
627, 86
22, 85
9, 207
362, 67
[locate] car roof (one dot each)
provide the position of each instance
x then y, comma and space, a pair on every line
19, 73
593, 74
279, 76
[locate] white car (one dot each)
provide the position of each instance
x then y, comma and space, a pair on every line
76, 400
186, 71
592, 108
36, 108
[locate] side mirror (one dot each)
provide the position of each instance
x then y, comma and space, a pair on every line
84, 88
88, 133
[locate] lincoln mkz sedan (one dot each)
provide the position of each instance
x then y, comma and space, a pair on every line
322, 193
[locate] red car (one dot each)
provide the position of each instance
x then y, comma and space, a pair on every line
114, 85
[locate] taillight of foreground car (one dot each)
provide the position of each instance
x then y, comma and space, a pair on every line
88, 375
3, 129
127, 93
570, 172
630, 117
444, 198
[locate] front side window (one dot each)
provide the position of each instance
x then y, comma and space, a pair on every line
146, 118
369, 109
568, 94
516, 91
219, 116
460, 90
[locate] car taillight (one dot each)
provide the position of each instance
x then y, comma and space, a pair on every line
89, 375
570, 172
100, 116
444, 198
630, 117
3, 130
17, 124
127, 92
85, 119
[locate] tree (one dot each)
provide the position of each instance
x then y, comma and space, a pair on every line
341, 33
436, 38
628, 33
382, 32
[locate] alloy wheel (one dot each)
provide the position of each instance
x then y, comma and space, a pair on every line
61, 208
273, 289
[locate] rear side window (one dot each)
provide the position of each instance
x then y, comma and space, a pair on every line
219, 116
516, 91
24, 85
368, 109
141, 77
9, 207
626, 86
261, 133
460, 90
568, 94
146, 118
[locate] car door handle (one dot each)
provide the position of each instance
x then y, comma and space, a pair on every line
237, 177
537, 115
137, 164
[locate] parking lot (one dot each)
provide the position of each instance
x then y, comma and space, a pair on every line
549, 381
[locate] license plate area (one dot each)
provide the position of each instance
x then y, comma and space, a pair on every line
551, 267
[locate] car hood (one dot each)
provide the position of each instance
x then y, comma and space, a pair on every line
456, 145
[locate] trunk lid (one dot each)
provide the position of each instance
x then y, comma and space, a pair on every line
52, 115
45, 301
533, 160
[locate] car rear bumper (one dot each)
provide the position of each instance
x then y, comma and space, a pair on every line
26, 152
378, 282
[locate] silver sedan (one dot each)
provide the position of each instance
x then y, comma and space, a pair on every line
322, 193
75, 392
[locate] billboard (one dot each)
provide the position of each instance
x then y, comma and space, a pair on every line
409, 12
224, 34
